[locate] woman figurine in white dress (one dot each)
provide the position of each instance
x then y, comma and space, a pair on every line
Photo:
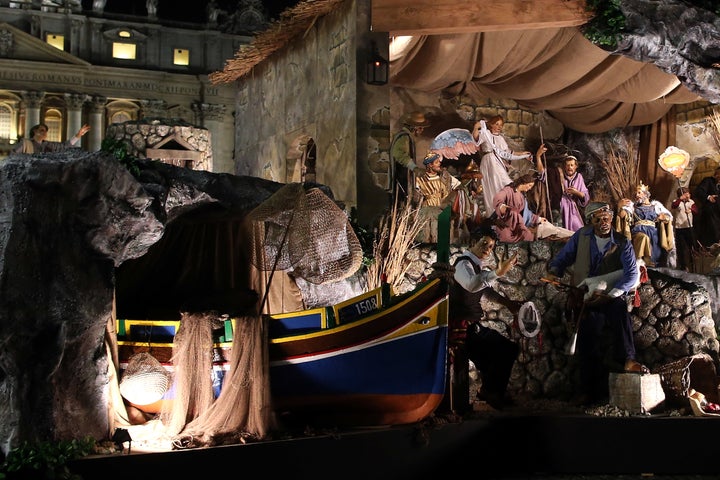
496, 158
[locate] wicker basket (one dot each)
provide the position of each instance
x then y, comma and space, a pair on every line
696, 372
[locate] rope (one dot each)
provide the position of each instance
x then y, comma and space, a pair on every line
528, 315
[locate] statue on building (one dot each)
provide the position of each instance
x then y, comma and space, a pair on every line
151, 6
98, 6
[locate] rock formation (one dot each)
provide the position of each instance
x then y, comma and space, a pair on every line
679, 38
69, 221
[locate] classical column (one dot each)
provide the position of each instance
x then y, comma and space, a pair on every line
97, 127
211, 116
74, 103
33, 101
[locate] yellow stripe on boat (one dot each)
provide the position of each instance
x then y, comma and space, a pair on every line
370, 318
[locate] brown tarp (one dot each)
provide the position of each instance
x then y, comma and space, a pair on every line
554, 70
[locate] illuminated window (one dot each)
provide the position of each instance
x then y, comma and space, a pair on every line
53, 120
57, 41
124, 34
181, 56
124, 50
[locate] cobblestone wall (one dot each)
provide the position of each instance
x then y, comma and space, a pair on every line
674, 319
181, 140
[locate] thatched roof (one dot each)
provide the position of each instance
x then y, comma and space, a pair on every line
293, 22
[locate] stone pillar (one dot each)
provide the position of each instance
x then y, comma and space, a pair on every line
35, 26
75, 34
211, 116
7, 43
97, 127
33, 101
74, 102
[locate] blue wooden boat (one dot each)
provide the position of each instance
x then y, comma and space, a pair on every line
368, 361
376, 359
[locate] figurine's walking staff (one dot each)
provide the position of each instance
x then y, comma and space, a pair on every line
547, 189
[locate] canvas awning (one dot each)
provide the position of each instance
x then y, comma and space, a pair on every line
556, 70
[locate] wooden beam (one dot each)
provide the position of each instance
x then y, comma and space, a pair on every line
438, 17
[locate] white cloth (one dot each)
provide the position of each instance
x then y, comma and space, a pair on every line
547, 229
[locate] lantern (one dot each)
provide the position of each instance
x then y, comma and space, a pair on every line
377, 67
674, 160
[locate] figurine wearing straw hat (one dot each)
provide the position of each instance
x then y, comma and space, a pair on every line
403, 154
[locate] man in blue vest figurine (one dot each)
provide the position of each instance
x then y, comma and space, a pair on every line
593, 251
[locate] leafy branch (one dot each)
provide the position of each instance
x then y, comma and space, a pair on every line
45, 459
119, 150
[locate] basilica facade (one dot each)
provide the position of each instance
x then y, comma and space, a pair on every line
66, 66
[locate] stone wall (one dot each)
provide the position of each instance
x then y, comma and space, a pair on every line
675, 319
172, 141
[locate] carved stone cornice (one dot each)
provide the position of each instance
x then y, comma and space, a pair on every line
209, 111
153, 108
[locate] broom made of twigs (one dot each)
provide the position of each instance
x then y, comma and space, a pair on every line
622, 173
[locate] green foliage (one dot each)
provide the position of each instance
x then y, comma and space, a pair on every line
607, 23
45, 460
119, 150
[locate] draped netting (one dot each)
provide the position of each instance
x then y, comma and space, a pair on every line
306, 233
243, 411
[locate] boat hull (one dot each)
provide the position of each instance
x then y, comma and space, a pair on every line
395, 376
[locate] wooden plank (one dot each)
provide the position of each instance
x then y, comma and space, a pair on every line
438, 17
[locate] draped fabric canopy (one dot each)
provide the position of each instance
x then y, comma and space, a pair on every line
556, 70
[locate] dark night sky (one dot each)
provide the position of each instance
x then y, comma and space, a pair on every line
188, 10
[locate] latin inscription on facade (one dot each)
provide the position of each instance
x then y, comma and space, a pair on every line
115, 84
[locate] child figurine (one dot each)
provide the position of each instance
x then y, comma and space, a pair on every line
685, 210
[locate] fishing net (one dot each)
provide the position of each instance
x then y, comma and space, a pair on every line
192, 359
306, 233
243, 411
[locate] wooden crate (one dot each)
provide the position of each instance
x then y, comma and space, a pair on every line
636, 393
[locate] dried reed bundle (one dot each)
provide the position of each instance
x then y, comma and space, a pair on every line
395, 237
622, 173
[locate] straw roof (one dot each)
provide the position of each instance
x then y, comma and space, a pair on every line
293, 22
